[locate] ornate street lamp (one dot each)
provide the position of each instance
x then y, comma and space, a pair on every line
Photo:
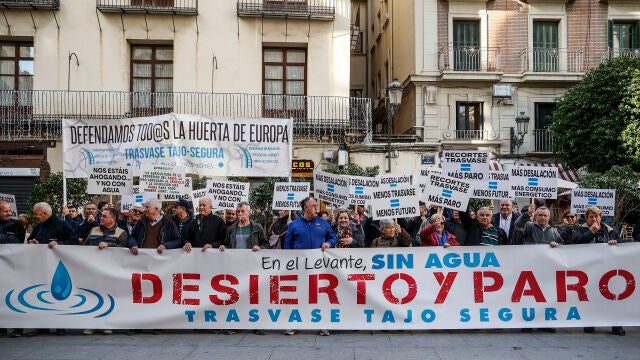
522, 123
394, 92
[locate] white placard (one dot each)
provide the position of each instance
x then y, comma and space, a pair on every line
287, 195
109, 180
393, 180
447, 192
604, 199
186, 195
227, 194
422, 178
360, 188
534, 182
11, 199
195, 197
397, 202
331, 188
127, 201
163, 180
465, 164
495, 186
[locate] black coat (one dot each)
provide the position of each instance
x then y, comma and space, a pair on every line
495, 220
11, 232
474, 231
54, 228
208, 230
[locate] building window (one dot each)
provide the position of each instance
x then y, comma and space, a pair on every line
466, 45
284, 82
545, 46
624, 38
541, 134
469, 120
152, 79
16, 72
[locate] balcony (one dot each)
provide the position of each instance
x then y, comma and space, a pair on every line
542, 141
469, 135
471, 63
615, 53
176, 7
297, 9
30, 4
37, 114
552, 60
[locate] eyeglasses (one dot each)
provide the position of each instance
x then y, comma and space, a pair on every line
570, 217
136, 211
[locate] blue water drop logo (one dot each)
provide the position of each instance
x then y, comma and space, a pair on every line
61, 283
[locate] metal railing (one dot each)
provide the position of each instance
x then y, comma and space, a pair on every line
615, 53
185, 7
471, 135
308, 9
30, 4
37, 114
469, 58
553, 60
542, 140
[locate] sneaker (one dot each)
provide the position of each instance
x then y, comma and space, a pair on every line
157, 332
107, 332
88, 332
132, 332
618, 330
258, 332
15, 333
289, 332
324, 332
60, 332
230, 332
589, 330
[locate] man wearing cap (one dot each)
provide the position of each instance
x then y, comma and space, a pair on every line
133, 216
182, 217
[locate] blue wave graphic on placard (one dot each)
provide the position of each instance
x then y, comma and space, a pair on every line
58, 297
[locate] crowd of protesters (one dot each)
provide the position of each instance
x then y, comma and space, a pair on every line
145, 226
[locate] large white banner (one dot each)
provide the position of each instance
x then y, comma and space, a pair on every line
605, 199
205, 146
398, 288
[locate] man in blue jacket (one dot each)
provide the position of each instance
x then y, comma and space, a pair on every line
310, 231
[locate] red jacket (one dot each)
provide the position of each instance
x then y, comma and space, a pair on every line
428, 237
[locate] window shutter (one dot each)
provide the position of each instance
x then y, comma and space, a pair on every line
610, 34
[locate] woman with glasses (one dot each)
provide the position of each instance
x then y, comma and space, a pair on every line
568, 227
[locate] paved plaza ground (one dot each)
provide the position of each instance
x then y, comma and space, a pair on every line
570, 343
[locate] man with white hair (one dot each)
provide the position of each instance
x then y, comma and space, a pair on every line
207, 230
50, 230
154, 230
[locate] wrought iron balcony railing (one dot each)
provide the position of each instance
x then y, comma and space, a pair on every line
178, 7
552, 60
305, 9
614, 53
471, 135
30, 4
469, 58
542, 140
37, 114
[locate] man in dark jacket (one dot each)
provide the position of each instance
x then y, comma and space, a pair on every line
480, 231
206, 230
154, 231
133, 217
91, 220
505, 219
50, 230
182, 217
244, 233
73, 218
11, 230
